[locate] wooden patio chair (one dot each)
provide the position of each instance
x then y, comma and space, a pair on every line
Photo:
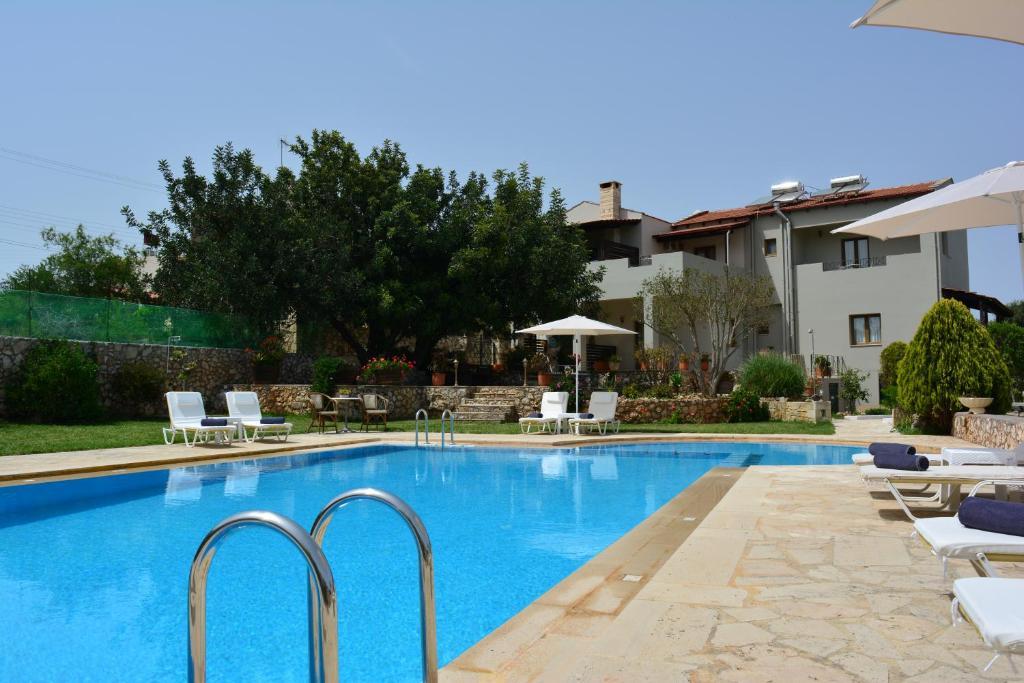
321, 412
375, 411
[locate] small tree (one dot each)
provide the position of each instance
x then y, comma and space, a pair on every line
851, 388
890, 360
1009, 339
715, 313
951, 355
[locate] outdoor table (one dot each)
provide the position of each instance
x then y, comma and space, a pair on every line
566, 417
236, 421
338, 400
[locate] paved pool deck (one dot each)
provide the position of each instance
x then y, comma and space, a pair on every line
795, 574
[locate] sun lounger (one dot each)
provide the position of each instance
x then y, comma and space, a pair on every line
602, 406
245, 406
552, 408
187, 413
994, 607
952, 477
949, 539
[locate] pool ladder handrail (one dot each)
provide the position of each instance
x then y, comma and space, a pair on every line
428, 624
426, 427
323, 603
451, 426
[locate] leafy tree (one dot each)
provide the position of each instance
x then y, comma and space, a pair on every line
890, 361
1009, 339
56, 383
714, 313
851, 387
226, 243
1017, 308
951, 355
84, 265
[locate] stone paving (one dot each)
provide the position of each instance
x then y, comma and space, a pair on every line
798, 574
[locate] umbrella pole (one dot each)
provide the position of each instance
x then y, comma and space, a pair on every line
577, 343
1020, 230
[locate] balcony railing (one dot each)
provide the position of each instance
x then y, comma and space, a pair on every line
870, 262
607, 250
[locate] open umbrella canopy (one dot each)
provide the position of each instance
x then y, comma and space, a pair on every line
575, 325
998, 19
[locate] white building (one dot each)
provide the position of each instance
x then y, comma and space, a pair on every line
857, 294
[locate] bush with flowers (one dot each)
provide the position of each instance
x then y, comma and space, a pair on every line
380, 366
745, 406
269, 352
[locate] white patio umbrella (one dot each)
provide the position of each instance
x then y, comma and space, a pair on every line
995, 197
998, 19
578, 326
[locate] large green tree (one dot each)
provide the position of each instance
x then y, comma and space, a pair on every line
387, 255
84, 265
224, 242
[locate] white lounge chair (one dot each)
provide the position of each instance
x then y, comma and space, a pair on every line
245, 406
950, 477
552, 410
187, 413
602, 406
949, 539
994, 607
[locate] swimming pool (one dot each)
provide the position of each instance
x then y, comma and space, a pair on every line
93, 572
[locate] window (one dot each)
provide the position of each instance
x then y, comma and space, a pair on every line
855, 253
770, 247
944, 239
706, 252
865, 330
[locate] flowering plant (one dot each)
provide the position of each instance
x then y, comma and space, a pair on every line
269, 352
399, 364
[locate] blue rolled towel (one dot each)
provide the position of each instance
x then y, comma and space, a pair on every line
534, 414
901, 461
999, 516
214, 422
883, 448
271, 420
587, 416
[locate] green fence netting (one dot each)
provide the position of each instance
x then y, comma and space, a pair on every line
52, 316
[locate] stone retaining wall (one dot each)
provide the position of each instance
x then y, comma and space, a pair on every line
799, 411
990, 431
695, 409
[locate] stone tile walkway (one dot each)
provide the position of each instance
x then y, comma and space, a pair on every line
798, 574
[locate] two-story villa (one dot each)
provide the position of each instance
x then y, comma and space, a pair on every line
857, 294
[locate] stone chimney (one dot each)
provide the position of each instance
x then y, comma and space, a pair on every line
611, 200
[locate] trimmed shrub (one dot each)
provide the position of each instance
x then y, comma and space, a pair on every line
56, 383
1009, 339
890, 361
772, 376
745, 406
137, 385
325, 374
951, 355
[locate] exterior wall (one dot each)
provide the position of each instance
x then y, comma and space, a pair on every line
799, 411
695, 409
955, 274
989, 431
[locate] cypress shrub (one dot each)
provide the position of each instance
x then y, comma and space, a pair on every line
772, 376
889, 363
951, 355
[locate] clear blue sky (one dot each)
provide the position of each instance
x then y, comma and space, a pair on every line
691, 105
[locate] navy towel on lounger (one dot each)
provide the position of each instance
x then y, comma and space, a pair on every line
534, 414
999, 516
271, 420
587, 416
883, 448
214, 422
902, 461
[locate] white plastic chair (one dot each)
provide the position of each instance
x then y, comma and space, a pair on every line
245, 406
602, 406
552, 410
187, 413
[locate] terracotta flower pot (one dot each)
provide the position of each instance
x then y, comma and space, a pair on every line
684, 364
437, 378
544, 379
600, 366
704, 364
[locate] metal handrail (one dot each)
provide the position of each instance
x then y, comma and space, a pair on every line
323, 615
428, 626
451, 426
426, 426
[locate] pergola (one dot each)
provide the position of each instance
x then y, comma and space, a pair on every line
985, 305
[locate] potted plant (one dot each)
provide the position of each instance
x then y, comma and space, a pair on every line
384, 370
822, 367
684, 362
541, 364
601, 365
614, 362
705, 362
641, 356
438, 369
266, 359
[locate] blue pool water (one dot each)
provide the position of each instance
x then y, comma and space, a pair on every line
93, 572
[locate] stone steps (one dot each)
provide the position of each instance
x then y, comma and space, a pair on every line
488, 404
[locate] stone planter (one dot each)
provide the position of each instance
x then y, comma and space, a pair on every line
388, 377
975, 404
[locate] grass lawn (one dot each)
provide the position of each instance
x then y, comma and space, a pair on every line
18, 438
